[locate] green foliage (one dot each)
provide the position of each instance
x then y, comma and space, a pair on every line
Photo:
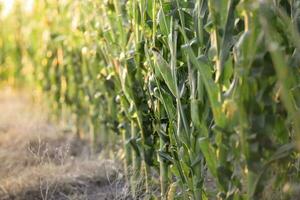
196, 89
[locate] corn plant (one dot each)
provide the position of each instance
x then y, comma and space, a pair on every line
203, 92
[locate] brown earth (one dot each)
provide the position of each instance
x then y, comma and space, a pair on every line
40, 160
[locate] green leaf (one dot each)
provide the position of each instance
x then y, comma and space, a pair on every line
165, 71
209, 155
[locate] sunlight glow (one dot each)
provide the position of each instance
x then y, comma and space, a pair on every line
28, 6
7, 6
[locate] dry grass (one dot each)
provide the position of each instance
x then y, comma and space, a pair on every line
42, 161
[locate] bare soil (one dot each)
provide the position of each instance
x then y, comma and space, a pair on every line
41, 160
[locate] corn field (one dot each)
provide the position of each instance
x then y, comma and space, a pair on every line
204, 93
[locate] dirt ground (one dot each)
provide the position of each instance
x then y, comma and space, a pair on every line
40, 160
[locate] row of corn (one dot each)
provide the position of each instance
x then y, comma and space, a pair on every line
203, 92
